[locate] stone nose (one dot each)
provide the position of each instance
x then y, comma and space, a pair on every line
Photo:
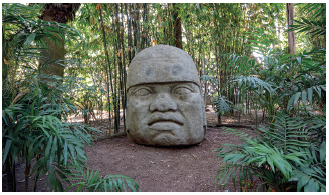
163, 103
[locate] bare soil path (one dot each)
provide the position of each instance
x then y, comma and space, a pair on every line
160, 169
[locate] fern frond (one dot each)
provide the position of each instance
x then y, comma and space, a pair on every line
312, 176
221, 104
119, 183
287, 134
92, 182
253, 82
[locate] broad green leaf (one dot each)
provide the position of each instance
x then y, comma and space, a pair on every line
304, 97
53, 150
282, 165
311, 186
233, 176
323, 151
6, 151
29, 39
47, 150
302, 182
255, 159
297, 95
130, 185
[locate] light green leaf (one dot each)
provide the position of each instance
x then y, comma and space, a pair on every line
29, 39
310, 94
304, 97
323, 151
6, 151
302, 182
297, 95
311, 186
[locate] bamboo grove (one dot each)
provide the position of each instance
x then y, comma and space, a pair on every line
114, 33
215, 35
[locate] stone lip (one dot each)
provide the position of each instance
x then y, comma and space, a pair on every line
165, 126
162, 63
156, 118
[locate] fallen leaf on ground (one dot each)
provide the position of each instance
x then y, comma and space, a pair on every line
165, 160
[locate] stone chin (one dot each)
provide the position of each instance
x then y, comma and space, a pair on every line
165, 138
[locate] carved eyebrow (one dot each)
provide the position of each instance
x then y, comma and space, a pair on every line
189, 86
133, 89
151, 85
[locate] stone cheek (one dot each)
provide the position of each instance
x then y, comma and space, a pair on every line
163, 119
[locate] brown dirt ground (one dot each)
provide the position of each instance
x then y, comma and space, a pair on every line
159, 169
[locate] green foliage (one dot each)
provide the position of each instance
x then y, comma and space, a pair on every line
252, 83
316, 25
32, 128
285, 79
85, 96
317, 128
34, 111
312, 176
221, 104
91, 181
306, 95
288, 134
208, 78
22, 29
278, 156
290, 155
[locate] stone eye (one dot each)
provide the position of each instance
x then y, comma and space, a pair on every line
142, 92
182, 90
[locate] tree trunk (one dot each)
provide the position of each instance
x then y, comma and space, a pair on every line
55, 52
10, 174
291, 34
124, 73
26, 180
178, 28
219, 119
61, 13
136, 38
129, 34
145, 30
115, 96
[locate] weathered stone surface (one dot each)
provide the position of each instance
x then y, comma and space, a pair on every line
164, 102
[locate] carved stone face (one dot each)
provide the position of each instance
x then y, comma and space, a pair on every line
165, 105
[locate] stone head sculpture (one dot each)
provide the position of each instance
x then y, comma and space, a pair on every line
164, 102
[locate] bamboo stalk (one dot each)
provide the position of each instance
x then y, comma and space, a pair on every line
108, 71
115, 69
123, 68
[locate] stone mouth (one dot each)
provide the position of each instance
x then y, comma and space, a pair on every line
164, 118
